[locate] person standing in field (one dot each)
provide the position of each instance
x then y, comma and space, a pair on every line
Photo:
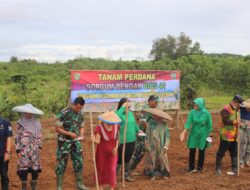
28, 145
5, 144
199, 127
107, 139
190, 97
70, 131
228, 134
245, 134
140, 148
157, 144
131, 135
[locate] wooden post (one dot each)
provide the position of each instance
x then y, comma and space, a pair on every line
182, 121
93, 150
68, 101
177, 118
124, 147
238, 151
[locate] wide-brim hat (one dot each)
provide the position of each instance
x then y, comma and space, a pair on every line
28, 108
109, 117
158, 112
246, 104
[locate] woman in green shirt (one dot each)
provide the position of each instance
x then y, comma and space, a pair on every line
199, 126
131, 135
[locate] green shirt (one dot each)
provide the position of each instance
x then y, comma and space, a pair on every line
199, 125
132, 127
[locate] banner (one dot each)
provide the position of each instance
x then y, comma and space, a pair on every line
102, 89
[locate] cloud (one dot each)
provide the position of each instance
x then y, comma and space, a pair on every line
49, 30
52, 53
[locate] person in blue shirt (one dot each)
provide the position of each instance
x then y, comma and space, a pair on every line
5, 144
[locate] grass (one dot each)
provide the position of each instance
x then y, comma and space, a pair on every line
215, 100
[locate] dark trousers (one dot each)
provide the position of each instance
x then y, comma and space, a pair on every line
129, 150
226, 145
4, 173
24, 174
201, 159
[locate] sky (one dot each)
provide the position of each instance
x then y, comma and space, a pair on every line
58, 30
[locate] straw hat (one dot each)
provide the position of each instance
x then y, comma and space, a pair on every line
109, 117
158, 112
246, 104
28, 108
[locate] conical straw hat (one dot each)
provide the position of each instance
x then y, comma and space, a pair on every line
158, 112
109, 117
246, 104
28, 108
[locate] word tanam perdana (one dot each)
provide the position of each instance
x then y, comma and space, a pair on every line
143, 76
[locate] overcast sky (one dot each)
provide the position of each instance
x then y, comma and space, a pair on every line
50, 30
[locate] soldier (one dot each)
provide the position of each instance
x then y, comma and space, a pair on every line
70, 132
190, 97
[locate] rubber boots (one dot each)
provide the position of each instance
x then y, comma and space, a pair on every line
24, 185
79, 181
33, 184
59, 181
127, 175
234, 164
218, 165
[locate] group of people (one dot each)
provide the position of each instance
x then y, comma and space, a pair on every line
146, 137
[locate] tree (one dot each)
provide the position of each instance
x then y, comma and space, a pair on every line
196, 49
13, 59
164, 47
183, 45
174, 48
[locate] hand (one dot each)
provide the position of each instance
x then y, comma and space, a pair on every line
39, 150
240, 124
73, 135
165, 149
114, 151
141, 133
92, 137
6, 156
147, 146
182, 136
19, 155
126, 104
144, 123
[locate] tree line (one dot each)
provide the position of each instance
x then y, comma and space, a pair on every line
47, 85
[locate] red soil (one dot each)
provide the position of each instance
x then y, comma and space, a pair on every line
178, 159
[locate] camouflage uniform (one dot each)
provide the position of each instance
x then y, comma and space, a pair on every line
190, 97
245, 142
69, 121
140, 148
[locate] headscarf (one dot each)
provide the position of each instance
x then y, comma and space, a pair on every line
201, 105
32, 125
